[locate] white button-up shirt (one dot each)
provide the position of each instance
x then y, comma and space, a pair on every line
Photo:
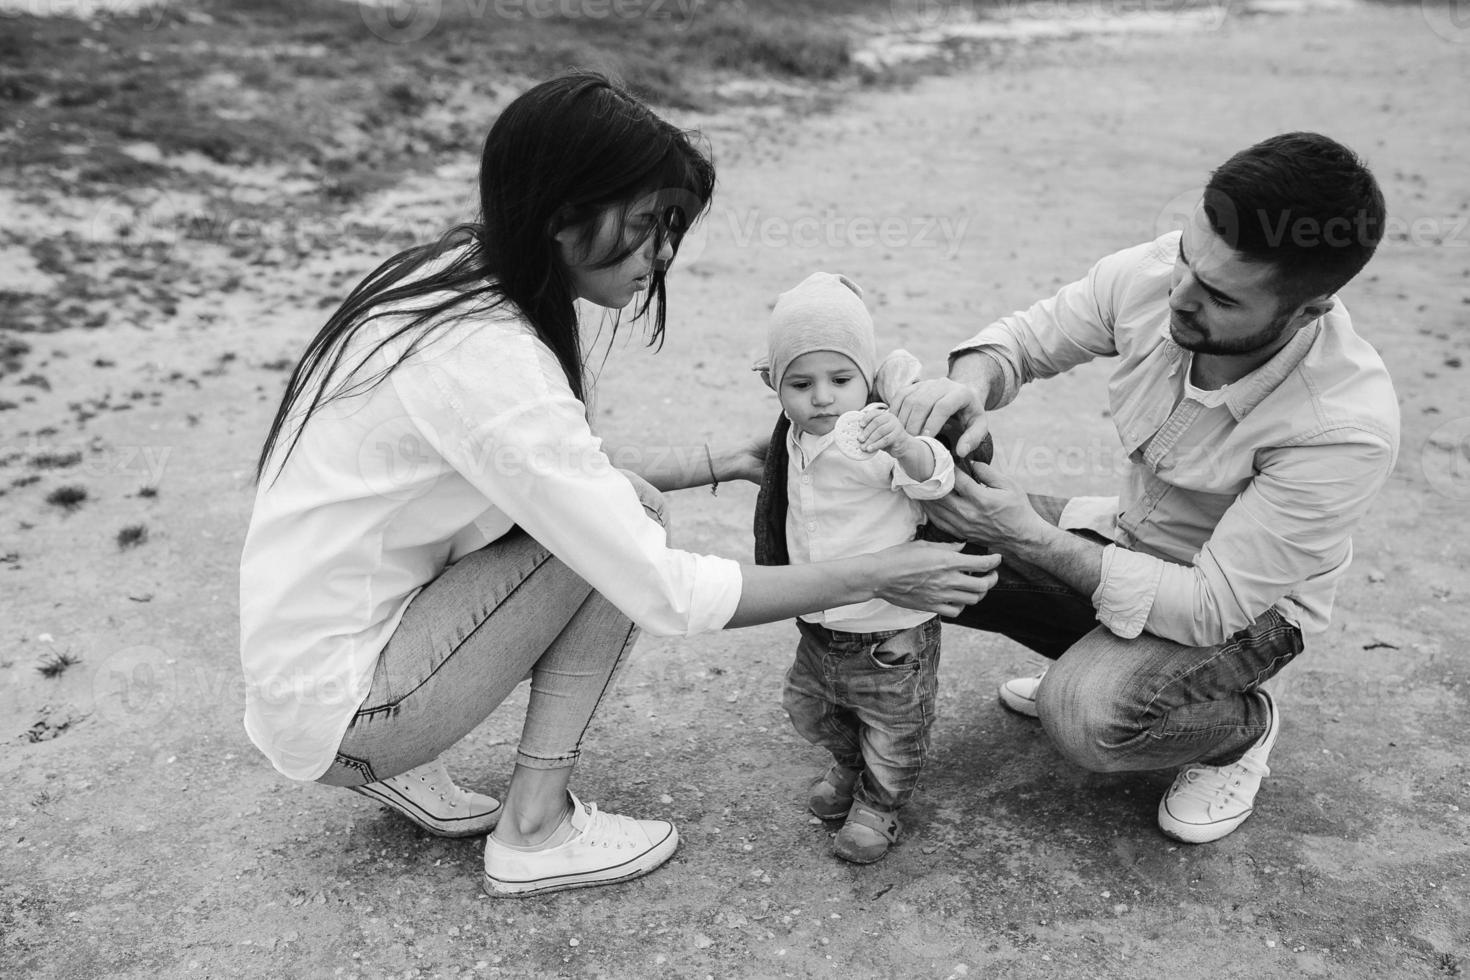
838, 507
473, 434
1235, 502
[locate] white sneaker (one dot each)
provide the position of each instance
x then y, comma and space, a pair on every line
1019, 694
1208, 802
429, 798
604, 848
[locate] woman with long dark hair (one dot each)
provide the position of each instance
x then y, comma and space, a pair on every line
435, 520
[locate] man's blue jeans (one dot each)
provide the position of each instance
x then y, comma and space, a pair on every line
1115, 705
869, 699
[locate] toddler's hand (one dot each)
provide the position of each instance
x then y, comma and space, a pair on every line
883, 431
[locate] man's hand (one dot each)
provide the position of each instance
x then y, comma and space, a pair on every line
926, 406
991, 509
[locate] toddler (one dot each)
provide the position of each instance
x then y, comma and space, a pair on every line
864, 680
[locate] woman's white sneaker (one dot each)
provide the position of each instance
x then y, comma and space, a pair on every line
1208, 802
1019, 694
429, 798
604, 848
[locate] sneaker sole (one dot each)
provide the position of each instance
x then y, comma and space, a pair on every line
862, 855
636, 867
1188, 833
460, 827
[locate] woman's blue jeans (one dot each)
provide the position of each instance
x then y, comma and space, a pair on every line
498, 616
1116, 705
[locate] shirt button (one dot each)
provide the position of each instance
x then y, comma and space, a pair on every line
811, 525
806, 479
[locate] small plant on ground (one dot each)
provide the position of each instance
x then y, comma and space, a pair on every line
68, 497
131, 536
56, 664
55, 461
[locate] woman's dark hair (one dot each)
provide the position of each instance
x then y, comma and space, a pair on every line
1303, 203
557, 157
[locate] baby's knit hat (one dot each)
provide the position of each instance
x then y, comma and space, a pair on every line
824, 311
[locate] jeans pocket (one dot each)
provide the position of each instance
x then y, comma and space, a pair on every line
901, 651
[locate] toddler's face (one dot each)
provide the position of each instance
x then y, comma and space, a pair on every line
818, 387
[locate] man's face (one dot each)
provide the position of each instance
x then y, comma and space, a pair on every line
1223, 304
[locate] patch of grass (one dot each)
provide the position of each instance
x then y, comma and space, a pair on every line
68, 498
311, 81
131, 536
786, 46
55, 461
55, 664
25, 481
148, 493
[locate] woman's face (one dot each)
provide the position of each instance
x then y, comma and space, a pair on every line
616, 285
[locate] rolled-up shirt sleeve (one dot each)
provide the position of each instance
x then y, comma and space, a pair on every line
1056, 334
1292, 523
1126, 594
939, 483
540, 464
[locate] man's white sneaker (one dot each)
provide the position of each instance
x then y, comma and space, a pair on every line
429, 798
1208, 802
604, 848
1019, 694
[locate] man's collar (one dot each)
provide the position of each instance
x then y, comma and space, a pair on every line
1246, 393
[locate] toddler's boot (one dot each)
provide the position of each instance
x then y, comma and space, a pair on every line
867, 834
831, 796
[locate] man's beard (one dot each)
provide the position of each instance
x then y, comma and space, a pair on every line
1200, 341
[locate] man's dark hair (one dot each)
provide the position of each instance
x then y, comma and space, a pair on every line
1303, 203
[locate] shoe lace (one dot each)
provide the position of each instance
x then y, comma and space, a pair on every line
607, 829
435, 778
1215, 785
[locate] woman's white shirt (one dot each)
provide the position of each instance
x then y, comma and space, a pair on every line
475, 433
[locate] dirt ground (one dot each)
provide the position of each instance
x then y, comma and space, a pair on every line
143, 835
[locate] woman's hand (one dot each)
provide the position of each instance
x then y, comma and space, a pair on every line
750, 460
934, 577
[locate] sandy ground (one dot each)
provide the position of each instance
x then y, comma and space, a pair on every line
141, 835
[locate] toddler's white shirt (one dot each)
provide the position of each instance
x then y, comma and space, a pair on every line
838, 507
